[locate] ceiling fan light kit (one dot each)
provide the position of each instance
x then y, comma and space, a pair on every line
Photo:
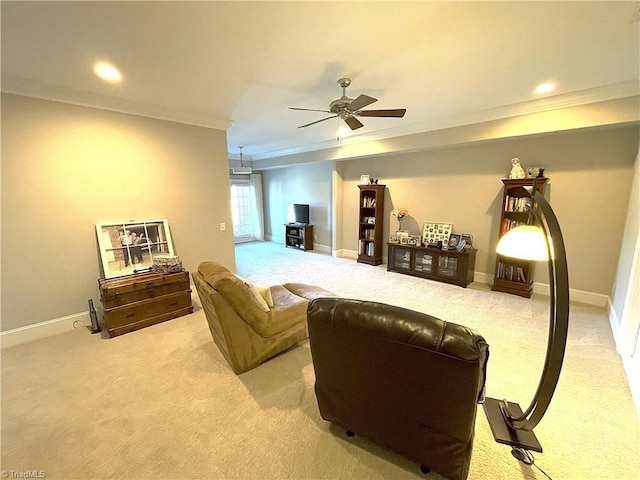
348, 109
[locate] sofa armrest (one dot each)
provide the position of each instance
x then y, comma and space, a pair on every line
309, 292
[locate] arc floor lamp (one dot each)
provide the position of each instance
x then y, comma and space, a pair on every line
541, 239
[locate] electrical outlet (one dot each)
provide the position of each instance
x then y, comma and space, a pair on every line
223, 226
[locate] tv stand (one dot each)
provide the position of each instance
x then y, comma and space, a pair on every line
298, 235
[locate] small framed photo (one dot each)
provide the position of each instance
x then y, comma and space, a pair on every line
402, 233
365, 179
468, 239
454, 240
533, 171
405, 240
393, 239
415, 240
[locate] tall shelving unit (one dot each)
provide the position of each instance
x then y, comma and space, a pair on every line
371, 221
511, 275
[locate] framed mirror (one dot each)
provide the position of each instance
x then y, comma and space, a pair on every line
129, 247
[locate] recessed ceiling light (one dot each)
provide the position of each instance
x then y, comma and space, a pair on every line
107, 72
545, 88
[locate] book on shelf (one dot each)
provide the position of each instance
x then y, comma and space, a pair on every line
511, 273
516, 204
366, 247
368, 202
369, 234
370, 249
508, 224
521, 277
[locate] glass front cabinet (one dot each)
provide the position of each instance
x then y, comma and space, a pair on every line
450, 266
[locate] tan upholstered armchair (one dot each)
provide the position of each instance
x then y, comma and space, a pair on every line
247, 325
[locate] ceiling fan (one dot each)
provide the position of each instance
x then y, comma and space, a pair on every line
348, 109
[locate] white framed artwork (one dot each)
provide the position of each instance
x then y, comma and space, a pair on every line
129, 246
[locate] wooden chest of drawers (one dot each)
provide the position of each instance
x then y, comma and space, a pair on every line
137, 301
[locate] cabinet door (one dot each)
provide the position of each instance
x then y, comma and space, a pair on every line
401, 258
447, 266
424, 262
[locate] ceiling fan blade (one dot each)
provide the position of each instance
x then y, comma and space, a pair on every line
399, 113
309, 109
361, 102
353, 123
317, 121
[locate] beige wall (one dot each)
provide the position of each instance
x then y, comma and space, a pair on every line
590, 175
307, 183
65, 168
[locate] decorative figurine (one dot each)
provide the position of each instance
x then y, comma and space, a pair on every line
516, 169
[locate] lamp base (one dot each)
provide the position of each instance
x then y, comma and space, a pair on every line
505, 433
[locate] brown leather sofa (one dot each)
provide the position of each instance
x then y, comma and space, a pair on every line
246, 329
403, 379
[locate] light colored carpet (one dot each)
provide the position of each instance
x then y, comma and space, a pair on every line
162, 403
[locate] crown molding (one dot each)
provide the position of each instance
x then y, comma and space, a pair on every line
44, 91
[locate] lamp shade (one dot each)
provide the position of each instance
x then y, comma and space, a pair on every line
526, 242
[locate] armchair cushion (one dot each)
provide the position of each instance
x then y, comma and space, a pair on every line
238, 295
258, 293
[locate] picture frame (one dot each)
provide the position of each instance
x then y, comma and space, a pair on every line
402, 233
365, 179
128, 247
393, 239
468, 239
405, 240
434, 232
454, 241
533, 172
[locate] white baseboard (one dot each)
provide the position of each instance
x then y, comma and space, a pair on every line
316, 247
631, 371
580, 296
344, 253
482, 277
40, 330
321, 248
633, 377
590, 298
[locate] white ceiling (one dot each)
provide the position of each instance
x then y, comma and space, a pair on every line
239, 65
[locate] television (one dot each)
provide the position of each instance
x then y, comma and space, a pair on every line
298, 213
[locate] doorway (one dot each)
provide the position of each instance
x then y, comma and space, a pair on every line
240, 211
